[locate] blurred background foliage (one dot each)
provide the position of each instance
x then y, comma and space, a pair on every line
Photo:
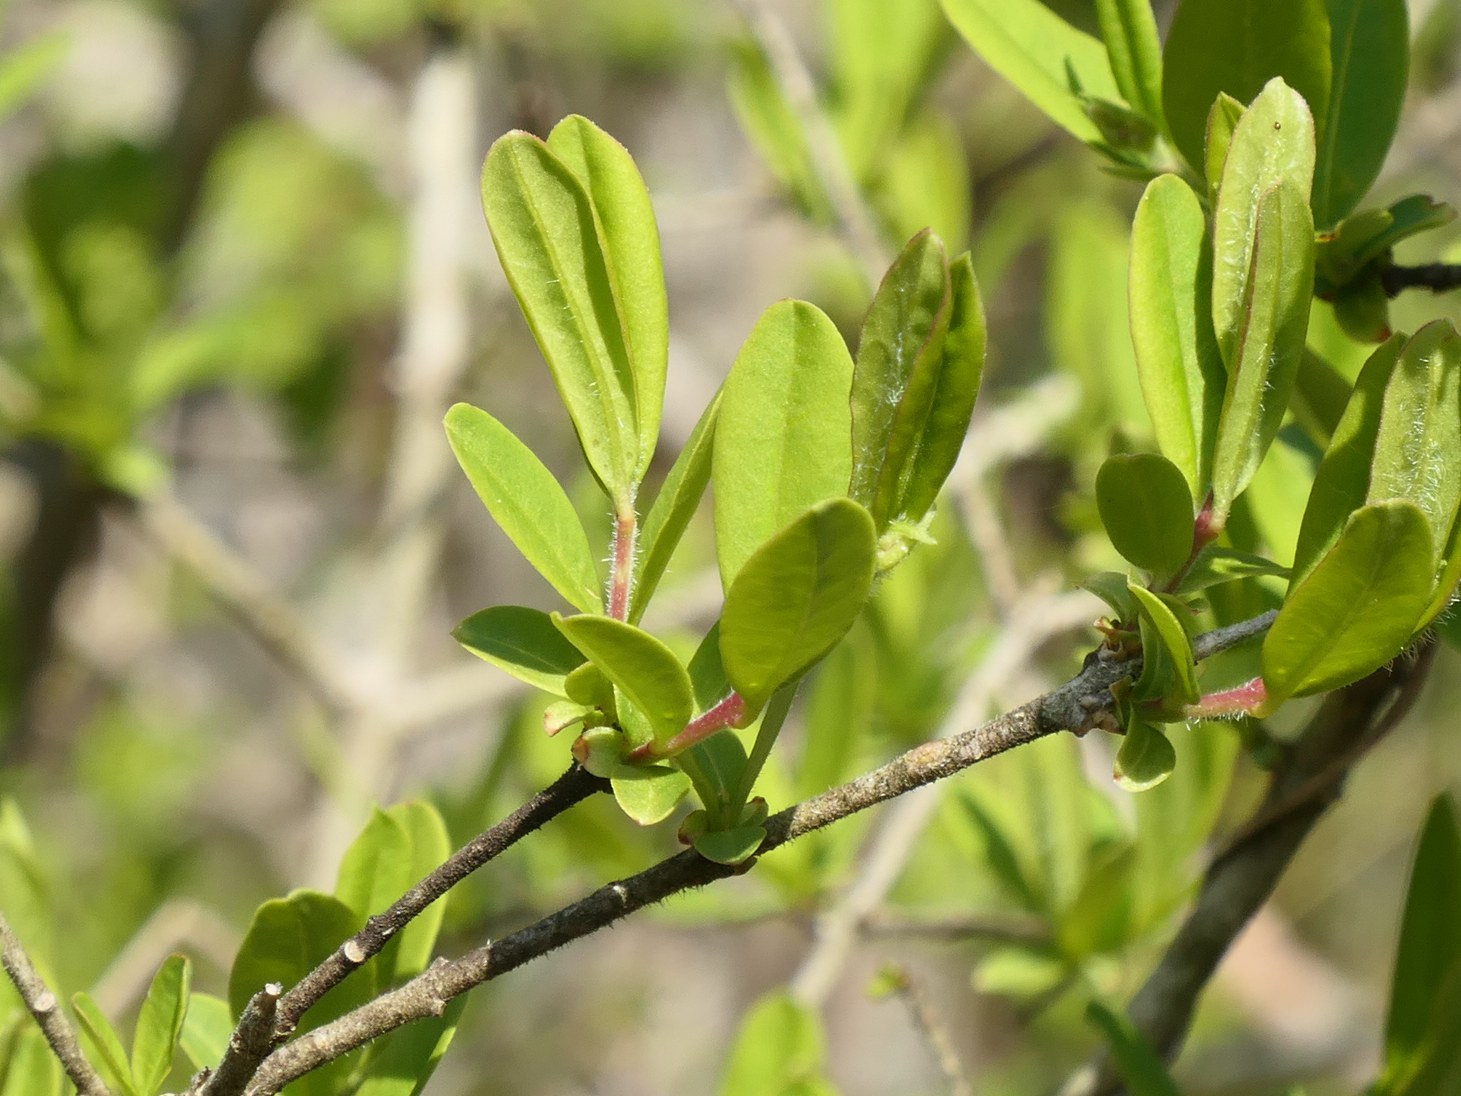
244, 274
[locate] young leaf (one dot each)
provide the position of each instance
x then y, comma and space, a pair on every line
108, 1054
898, 355
523, 497
630, 240
707, 675
796, 597
1369, 44
1216, 565
715, 765
1135, 51
1114, 589
1222, 120
1428, 960
1174, 640
673, 508
1268, 347
1357, 608
1039, 53
1237, 46
732, 846
408, 1056
523, 642
649, 793
1145, 758
546, 233
780, 1043
160, 1024
1177, 358
206, 1029
952, 403
783, 440
647, 671
1146, 507
1138, 1063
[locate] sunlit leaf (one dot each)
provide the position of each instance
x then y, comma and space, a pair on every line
636, 662
779, 1043
1135, 51
523, 642
649, 793
733, 846
1174, 640
160, 1024
206, 1029
104, 1046
1145, 758
1146, 507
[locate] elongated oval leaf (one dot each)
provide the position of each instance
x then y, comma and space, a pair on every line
206, 1029
1358, 607
952, 404
648, 793
630, 240
1270, 343
107, 1052
523, 642
546, 233
784, 436
1222, 120
1145, 757
715, 766
673, 508
1146, 507
160, 1023
1369, 45
523, 497
644, 668
796, 597
405, 1060
1037, 51
1138, 1062
1175, 642
1177, 359
1135, 51
1237, 46
898, 354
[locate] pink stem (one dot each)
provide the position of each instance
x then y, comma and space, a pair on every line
1244, 699
725, 713
621, 567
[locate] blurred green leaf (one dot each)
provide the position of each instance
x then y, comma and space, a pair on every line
408, 1056
1238, 46
642, 666
523, 642
106, 1050
1320, 395
1021, 972
160, 1024
523, 497
1039, 53
26, 66
783, 441
546, 231
1361, 238
206, 1029
924, 181
629, 237
1369, 57
1135, 52
796, 597
774, 128
1177, 358
1145, 758
649, 793
779, 1044
33, 1068
733, 846
1357, 608
1146, 507
1114, 589
1136, 1061
673, 508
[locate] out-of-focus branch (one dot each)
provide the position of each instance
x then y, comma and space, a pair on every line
46, 1009
935, 1032
1437, 277
1078, 705
1311, 777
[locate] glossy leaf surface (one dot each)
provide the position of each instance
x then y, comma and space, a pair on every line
1146, 507
783, 440
733, 846
523, 497
523, 642
649, 793
642, 666
1135, 51
796, 597
104, 1047
1145, 758
1175, 643
1357, 608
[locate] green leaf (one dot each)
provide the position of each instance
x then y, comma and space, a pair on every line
1320, 394
1362, 309
1428, 960
780, 1043
523, 642
107, 1052
33, 1068
523, 497
1145, 758
546, 232
396, 849
629, 238
784, 439
1146, 507
952, 403
732, 846
775, 128
673, 508
1222, 120
1177, 358
1174, 640
1343, 478
26, 66
707, 674
647, 671
1237, 46
1024, 973
1357, 608
1369, 46
160, 1024
796, 597
1270, 344
408, 1056
1114, 589
1038, 52
206, 1030
1217, 564
1343, 254
716, 766
649, 793
1135, 52
1273, 143
1136, 1061
898, 357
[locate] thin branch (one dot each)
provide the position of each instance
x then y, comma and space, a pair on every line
1437, 277
956, 930
249, 1044
1078, 705
935, 1033
1348, 724
46, 1009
